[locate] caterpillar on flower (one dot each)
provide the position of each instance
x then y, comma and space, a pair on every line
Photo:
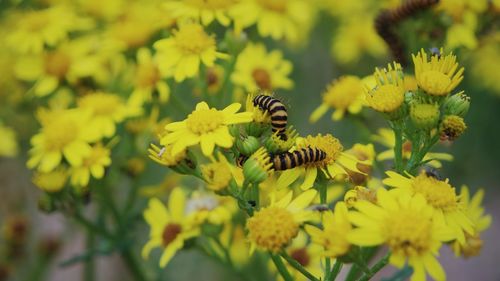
277, 110
290, 160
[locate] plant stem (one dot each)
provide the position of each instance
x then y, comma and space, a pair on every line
132, 265
281, 267
335, 271
398, 147
89, 266
376, 268
91, 227
295, 264
227, 255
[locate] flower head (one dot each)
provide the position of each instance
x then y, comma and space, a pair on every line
388, 95
333, 236
258, 69
93, 164
164, 155
273, 227
8, 142
148, 80
205, 126
182, 53
343, 95
204, 10
219, 174
170, 227
440, 196
452, 127
408, 225
437, 75
52, 181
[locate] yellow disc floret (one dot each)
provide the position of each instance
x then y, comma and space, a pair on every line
439, 194
327, 143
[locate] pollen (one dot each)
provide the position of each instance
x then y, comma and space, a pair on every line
204, 121
408, 233
170, 232
272, 228
191, 39
327, 143
385, 98
439, 194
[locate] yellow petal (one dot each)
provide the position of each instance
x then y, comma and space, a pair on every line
176, 204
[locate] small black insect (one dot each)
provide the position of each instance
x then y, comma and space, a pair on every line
435, 52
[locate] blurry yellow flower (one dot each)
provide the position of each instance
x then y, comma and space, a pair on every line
257, 69
33, 30
343, 95
104, 10
408, 225
182, 53
459, 35
164, 156
356, 37
64, 133
278, 19
475, 212
457, 8
357, 193
440, 195
148, 80
205, 10
219, 174
52, 181
385, 137
209, 208
306, 254
388, 94
92, 165
333, 236
484, 60
107, 110
169, 227
336, 163
205, 126
365, 153
273, 227
8, 142
439, 75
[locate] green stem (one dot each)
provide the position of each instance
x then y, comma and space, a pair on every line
328, 268
91, 227
295, 264
398, 147
281, 267
179, 104
224, 87
89, 266
133, 265
376, 268
335, 271
227, 255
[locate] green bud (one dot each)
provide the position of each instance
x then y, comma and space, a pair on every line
46, 203
258, 167
248, 145
457, 104
235, 41
277, 144
256, 129
424, 116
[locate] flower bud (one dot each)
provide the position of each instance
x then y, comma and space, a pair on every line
258, 167
248, 145
457, 105
452, 127
256, 129
424, 116
278, 144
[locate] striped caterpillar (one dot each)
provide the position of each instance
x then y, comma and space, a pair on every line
277, 110
290, 160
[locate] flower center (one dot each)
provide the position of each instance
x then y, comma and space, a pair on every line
147, 75
272, 228
278, 6
102, 104
327, 143
57, 64
301, 256
170, 232
212, 77
386, 98
262, 78
409, 233
98, 155
59, 133
191, 39
217, 174
434, 82
342, 93
438, 194
204, 121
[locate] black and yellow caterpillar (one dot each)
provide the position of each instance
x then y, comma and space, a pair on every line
290, 160
277, 110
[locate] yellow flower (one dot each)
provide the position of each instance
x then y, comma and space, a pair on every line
385, 137
483, 62
475, 212
8, 142
333, 236
440, 195
205, 126
107, 110
52, 181
366, 154
205, 10
355, 37
219, 174
388, 95
64, 133
408, 225
343, 95
440, 75
273, 227
40, 28
335, 164
170, 227
93, 164
278, 19
164, 155
182, 53
209, 208
148, 80
257, 69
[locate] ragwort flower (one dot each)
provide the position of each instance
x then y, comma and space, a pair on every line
204, 10
92, 165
